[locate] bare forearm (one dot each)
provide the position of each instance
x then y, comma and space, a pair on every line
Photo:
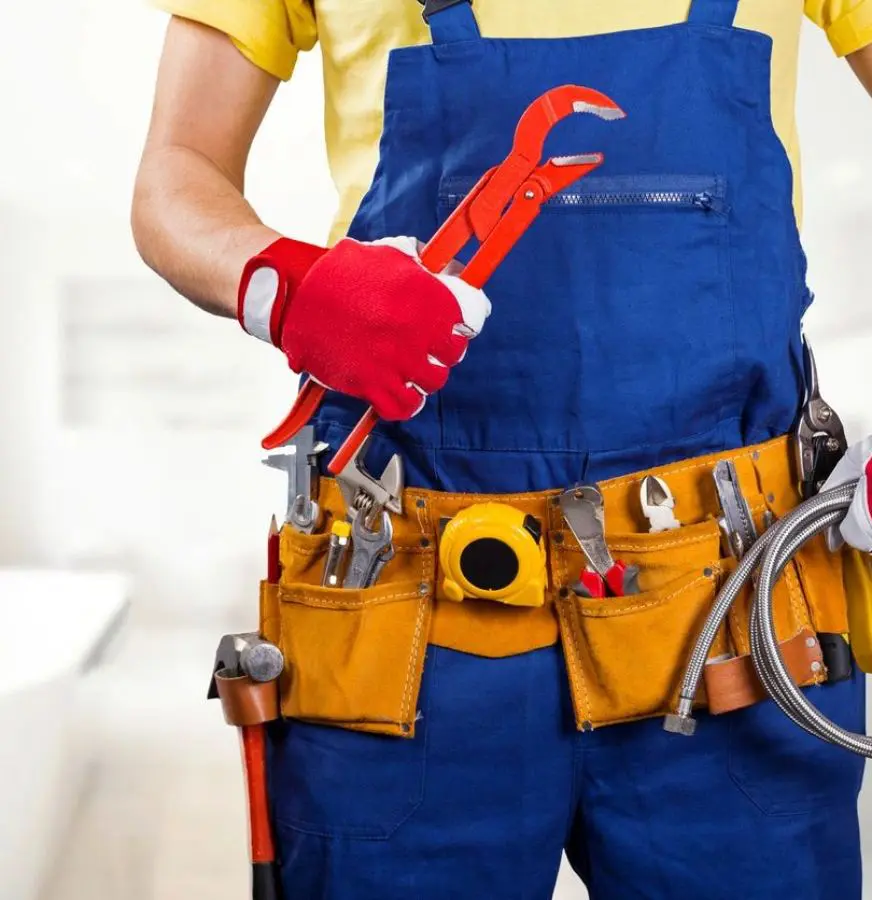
191, 222
861, 63
193, 226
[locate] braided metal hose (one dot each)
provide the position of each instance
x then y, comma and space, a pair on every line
771, 552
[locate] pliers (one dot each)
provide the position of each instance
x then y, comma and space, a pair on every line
584, 511
498, 210
820, 434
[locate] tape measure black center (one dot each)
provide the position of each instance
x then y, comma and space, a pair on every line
489, 564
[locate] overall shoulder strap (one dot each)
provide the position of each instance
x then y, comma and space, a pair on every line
713, 12
450, 21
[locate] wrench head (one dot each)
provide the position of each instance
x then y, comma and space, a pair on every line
371, 549
559, 103
386, 492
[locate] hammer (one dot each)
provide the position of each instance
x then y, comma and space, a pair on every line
244, 673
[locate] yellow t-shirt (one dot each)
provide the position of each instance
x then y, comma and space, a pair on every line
357, 35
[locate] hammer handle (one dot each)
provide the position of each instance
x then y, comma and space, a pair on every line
265, 881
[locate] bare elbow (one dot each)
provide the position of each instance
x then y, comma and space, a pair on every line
142, 223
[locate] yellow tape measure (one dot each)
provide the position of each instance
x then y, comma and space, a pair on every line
493, 551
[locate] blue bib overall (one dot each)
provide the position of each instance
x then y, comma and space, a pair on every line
651, 313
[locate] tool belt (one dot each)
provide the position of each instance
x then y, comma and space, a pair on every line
354, 658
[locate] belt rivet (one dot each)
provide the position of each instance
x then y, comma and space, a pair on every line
406, 727
815, 667
586, 726
425, 542
558, 538
708, 572
421, 503
770, 498
424, 589
810, 642
755, 455
564, 592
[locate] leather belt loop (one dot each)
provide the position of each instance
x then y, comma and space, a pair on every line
732, 684
246, 702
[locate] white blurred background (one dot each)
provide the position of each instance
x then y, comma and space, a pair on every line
130, 427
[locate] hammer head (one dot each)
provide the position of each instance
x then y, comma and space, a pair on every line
239, 655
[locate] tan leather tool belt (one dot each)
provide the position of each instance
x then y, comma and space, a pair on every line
354, 658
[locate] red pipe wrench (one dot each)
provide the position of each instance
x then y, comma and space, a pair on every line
498, 210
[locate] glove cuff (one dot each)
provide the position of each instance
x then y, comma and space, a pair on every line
268, 284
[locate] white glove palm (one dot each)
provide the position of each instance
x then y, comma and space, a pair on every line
856, 529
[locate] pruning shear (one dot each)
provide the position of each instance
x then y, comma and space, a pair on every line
820, 434
498, 210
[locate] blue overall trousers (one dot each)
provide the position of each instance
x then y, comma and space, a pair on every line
652, 313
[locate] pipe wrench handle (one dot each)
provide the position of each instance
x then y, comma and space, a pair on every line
311, 396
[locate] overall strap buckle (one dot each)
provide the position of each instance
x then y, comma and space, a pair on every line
431, 7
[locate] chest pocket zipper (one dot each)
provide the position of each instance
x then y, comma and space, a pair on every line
609, 193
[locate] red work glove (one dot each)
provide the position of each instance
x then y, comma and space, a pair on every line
856, 528
365, 319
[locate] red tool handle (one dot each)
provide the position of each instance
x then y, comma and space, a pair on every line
308, 400
482, 215
265, 883
435, 257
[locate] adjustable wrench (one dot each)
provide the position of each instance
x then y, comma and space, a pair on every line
298, 459
305, 513
584, 512
367, 528
363, 492
371, 551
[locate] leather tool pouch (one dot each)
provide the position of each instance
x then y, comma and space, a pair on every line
353, 658
626, 656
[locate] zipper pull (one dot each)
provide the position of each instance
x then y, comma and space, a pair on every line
704, 201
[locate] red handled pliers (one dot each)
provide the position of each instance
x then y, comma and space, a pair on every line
498, 210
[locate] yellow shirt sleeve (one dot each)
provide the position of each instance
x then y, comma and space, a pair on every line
848, 23
268, 32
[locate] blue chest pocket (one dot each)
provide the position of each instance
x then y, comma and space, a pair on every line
616, 310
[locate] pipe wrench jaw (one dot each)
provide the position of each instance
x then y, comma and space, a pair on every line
523, 175
559, 173
554, 106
